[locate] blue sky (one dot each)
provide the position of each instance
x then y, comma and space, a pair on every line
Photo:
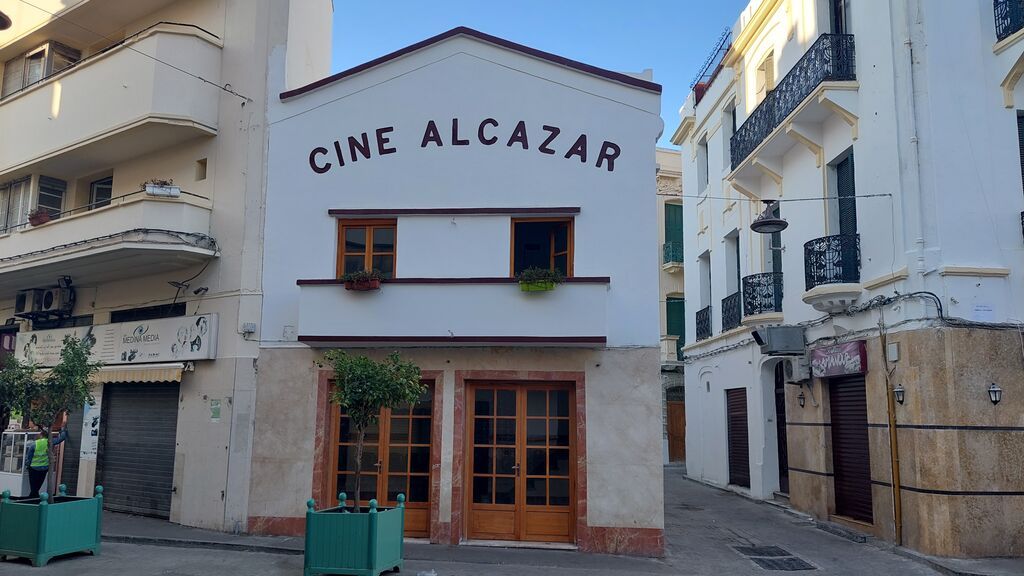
672, 37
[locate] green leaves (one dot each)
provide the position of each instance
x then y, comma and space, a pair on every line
535, 274
363, 386
15, 379
67, 386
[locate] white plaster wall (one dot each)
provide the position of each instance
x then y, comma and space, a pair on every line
459, 246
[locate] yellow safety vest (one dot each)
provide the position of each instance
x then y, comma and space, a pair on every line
41, 456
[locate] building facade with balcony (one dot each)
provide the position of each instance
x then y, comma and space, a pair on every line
131, 181
451, 166
673, 303
890, 153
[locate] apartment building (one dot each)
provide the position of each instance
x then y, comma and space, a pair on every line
868, 313
131, 187
673, 304
450, 166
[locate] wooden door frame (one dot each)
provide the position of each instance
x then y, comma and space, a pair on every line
457, 529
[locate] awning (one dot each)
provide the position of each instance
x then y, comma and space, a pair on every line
145, 373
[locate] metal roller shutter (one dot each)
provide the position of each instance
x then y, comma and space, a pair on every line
739, 445
135, 463
850, 458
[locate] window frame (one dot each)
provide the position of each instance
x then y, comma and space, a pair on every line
107, 182
369, 224
570, 253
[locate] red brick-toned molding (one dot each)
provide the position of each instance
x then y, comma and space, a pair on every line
628, 541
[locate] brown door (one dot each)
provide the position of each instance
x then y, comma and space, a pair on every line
676, 431
396, 460
780, 426
739, 446
520, 462
850, 461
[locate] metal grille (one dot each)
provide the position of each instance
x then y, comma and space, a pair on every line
832, 260
851, 461
1009, 16
831, 57
672, 251
704, 323
732, 311
762, 293
738, 441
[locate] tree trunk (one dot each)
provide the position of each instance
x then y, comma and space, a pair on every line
360, 436
51, 470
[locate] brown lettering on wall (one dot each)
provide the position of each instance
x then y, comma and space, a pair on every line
519, 135
430, 134
383, 141
480, 132
362, 145
318, 151
456, 141
553, 132
579, 148
609, 151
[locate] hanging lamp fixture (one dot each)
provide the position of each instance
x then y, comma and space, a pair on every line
5, 22
766, 223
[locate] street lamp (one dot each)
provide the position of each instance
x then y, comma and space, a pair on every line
766, 223
899, 393
5, 22
995, 393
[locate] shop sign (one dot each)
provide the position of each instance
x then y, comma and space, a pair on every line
161, 340
839, 360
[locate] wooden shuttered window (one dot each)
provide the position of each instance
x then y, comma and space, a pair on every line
675, 315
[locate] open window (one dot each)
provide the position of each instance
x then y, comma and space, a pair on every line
366, 245
36, 65
542, 243
100, 192
765, 77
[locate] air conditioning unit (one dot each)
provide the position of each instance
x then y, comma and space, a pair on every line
28, 301
780, 340
796, 369
57, 300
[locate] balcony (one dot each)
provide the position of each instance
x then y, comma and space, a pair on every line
829, 59
704, 324
762, 298
114, 105
136, 235
670, 349
732, 311
1009, 16
672, 256
454, 312
832, 272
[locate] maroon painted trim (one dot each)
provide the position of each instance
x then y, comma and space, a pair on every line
462, 30
499, 280
460, 339
363, 212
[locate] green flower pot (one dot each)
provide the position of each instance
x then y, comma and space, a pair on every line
40, 530
537, 286
359, 543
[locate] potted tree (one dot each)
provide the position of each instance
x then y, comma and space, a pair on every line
363, 280
357, 540
539, 279
44, 527
39, 216
158, 187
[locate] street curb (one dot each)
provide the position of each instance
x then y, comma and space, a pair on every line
932, 563
205, 544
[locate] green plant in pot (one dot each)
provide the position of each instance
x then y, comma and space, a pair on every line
361, 540
363, 280
539, 279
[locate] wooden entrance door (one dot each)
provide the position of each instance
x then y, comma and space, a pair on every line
396, 460
739, 445
850, 449
520, 462
676, 431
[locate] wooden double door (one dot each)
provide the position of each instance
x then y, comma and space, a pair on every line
396, 460
521, 462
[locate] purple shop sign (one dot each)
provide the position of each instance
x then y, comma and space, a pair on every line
839, 360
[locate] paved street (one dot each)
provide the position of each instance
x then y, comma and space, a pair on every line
705, 527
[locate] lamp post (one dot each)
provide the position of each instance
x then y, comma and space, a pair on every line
995, 393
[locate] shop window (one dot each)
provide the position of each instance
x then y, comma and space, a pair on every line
542, 243
100, 193
366, 245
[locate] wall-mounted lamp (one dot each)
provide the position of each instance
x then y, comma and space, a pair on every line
899, 393
801, 399
995, 393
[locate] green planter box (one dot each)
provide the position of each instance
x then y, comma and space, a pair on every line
361, 544
538, 286
39, 530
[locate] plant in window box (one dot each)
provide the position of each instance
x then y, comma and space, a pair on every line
165, 188
363, 280
539, 279
39, 216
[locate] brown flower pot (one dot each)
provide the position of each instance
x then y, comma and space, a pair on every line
39, 218
362, 285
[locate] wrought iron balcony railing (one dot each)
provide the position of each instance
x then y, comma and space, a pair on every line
831, 57
732, 311
704, 323
1009, 16
762, 293
832, 260
672, 251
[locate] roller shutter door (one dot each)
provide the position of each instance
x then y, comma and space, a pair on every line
850, 459
739, 445
135, 463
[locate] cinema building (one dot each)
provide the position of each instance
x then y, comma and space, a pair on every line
451, 166
853, 347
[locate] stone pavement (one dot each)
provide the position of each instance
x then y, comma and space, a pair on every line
707, 532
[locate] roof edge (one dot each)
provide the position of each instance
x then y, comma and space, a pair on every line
501, 42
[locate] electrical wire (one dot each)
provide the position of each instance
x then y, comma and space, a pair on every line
818, 198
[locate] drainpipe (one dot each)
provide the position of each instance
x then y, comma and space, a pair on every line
915, 222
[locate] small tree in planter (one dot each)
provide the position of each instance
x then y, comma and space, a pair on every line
539, 279
363, 280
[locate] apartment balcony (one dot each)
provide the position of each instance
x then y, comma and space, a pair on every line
820, 85
454, 312
114, 105
672, 256
1009, 16
732, 311
670, 351
136, 235
832, 272
762, 298
704, 324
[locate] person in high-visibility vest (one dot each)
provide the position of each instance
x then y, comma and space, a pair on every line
37, 453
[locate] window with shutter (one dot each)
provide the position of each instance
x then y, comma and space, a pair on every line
51, 195
675, 317
1020, 141
13, 204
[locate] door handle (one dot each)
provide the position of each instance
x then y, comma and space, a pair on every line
379, 463
516, 469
